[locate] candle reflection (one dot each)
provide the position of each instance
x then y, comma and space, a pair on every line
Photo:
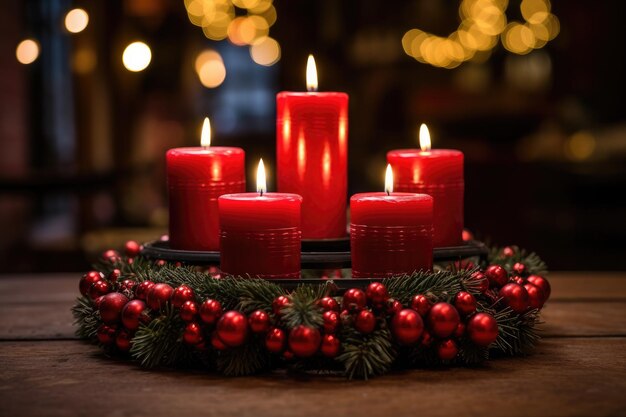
326, 159
301, 155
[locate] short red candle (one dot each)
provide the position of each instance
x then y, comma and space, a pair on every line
439, 173
312, 158
390, 234
196, 177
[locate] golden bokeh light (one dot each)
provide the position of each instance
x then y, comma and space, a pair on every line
27, 51
265, 51
210, 68
580, 146
76, 20
84, 60
137, 56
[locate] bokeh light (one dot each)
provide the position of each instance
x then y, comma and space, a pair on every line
580, 146
137, 56
76, 20
265, 51
27, 51
210, 68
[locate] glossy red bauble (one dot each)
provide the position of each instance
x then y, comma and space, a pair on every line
377, 294
232, 328
111, 256
217, 343
514, 296
447, 350
407, 326
188, 311
192, 334
354, 299
304, 341
123, 341
132, 248
106, 334
496, 275
329, 304
421, 304
98, 289
518, 280
331, 321
330, 345
443, 319
279, 303
393, 306
132, 314
259, 321
111, 307
115, 275
465, 303
508, 251
142, 289
275, 340
88, 280
365, 322
482, 282
482, 329
158, 295
536, 296
210, 311
519, 268
182, 294
542, 283
127, 285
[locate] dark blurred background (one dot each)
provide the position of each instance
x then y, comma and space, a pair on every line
531, 92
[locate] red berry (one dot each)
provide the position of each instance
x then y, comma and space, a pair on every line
427, 338
515, 296
111, 256
354, 299
188, 311
330, 345
115, 275
542, 283
232, 328
508, 252
132, 248
465, 303
142, 289
519, 268
482, 281
279, 303
393, 306
106, 334
98, 289
421, 304
443, 319
132, 314
447, 350
497, 276
329, 304
275, 340
217, 343
192, 334
466, 235
518, 280
88, 280
304, 341
210, 311
111, 307
259, 321
159, 295
536, 296
407, 326
460, 331
160, 262
377, 294
331, 321
365, 322
482, 329
182, 294
123, 341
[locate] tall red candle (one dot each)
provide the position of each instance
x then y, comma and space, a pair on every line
390, 233
260, 233
196, 177
312, 152
439, 173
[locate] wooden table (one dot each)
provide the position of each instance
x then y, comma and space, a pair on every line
578, 369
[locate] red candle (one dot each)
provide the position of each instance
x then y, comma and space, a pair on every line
438, 173
196, 177
390, 233
312, 152
260, 233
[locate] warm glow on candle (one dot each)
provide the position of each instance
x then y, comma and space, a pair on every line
205, 137
311, 74
424, 138
261, 186
389, 180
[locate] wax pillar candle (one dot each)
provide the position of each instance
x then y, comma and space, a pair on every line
312, 151
260, 233
390, 233
439, 173
196, 177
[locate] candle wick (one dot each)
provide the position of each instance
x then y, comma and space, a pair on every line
261, 193
312, 90
388, 192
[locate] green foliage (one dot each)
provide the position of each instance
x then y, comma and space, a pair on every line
365, 356
86, 317
303, 308
249, 359
531, 260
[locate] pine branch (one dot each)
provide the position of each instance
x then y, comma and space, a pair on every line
366, 355
534, 264
303, 308
248, 359
86, 317
440, 286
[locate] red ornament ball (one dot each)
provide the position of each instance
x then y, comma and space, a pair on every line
519, 268
536, 296
127, 285
443, 319
210, 311
123, 341
466, 235
158, 295
232, 328
329, 304
496, 275
354, 299
508, 251
304, 341
275, 340
421, 304
182, 294
460, 330
482, 329
447, 350
98, 289
279, 303
407, 326
393, 306
377, 293
115, 275
217, 343
132, 248
142, 289
518, 280
365, 322
330, 345
106, 334
188, 311
160, 262
111, 307
259, 321
132, 314
515, 296
331, 321
482, 281
542, 283
88, 280
111, 256
192, 334
465, 303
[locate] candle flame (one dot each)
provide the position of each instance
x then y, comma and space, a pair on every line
261, 186
389, 180
311, 74
205, 137
424, 137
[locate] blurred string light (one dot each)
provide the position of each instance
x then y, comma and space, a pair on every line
137, 56
210, 68
27, 51
219, 20
76, 20
483, 24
